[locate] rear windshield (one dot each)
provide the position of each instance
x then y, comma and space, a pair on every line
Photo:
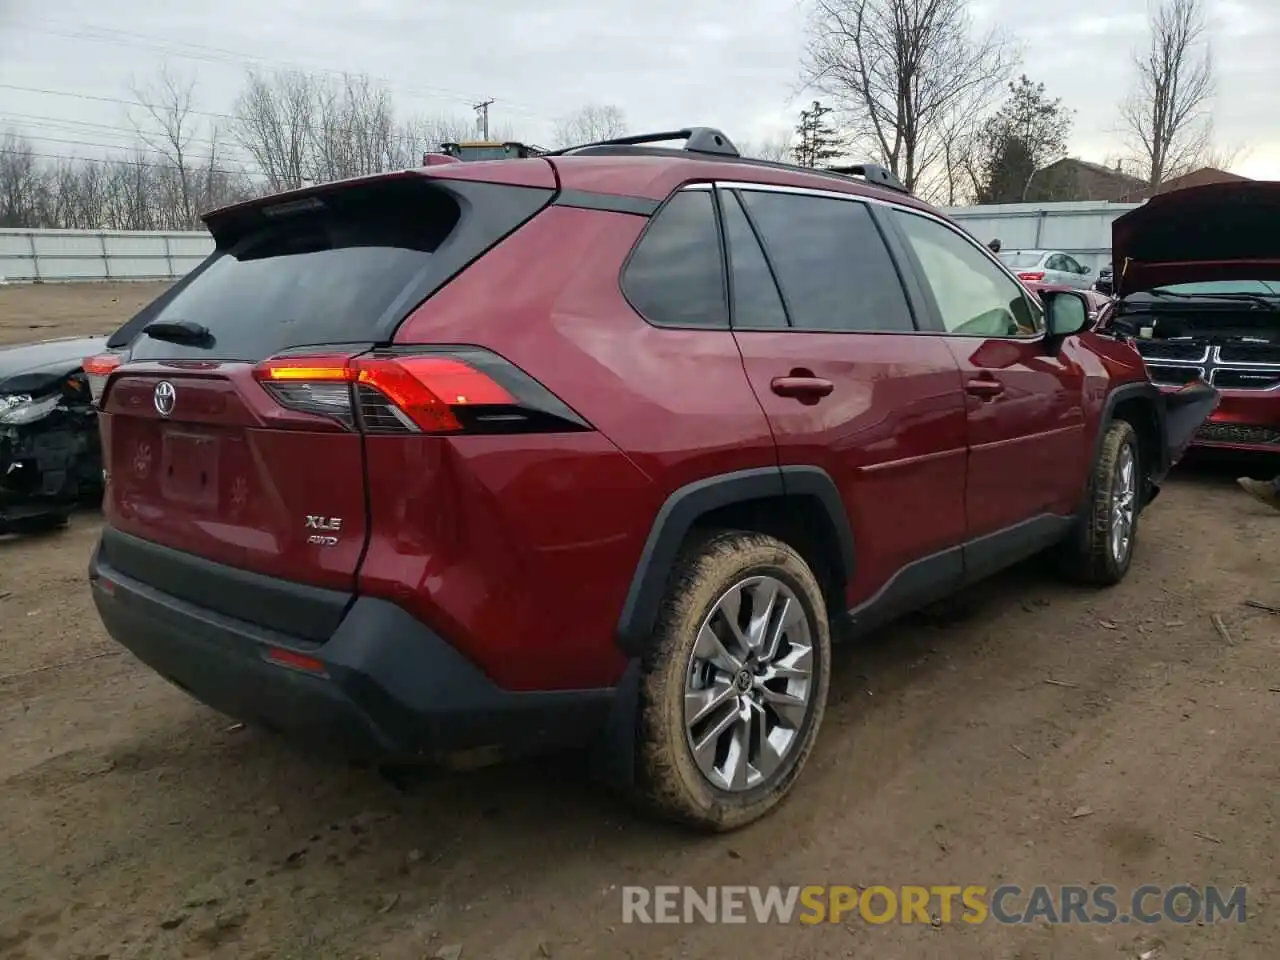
1021, 261
346, 272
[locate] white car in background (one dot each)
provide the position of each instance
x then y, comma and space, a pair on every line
1047, 267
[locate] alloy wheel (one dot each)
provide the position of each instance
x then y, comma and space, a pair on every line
1124, 494
749, 684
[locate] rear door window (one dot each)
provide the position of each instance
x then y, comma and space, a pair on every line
831, 263
756, 302
675, 277
345, 270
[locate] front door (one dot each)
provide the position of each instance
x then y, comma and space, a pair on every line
830, 348
1024, 398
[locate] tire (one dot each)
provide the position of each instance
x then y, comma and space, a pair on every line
1092, 554
670, 780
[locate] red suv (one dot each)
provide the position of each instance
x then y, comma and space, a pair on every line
590, 450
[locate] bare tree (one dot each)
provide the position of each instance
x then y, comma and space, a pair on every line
21, 182
168, 103
426, 134
777, 149
355, 130
1166, 114
275, 116
589, 124
900, 70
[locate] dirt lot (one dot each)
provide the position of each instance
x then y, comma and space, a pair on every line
137, 823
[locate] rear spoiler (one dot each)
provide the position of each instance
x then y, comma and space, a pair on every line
229, 224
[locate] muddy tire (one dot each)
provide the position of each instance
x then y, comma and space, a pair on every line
1100, 548
728, 716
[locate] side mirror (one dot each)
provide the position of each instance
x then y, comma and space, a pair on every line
1086, 270
1065, 313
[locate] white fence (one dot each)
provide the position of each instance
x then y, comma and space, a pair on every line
38, 256
1080, 229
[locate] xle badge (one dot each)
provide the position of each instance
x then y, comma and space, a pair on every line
332, 524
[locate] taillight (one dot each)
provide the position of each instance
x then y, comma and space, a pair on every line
454, 390
97, 370
1032, 275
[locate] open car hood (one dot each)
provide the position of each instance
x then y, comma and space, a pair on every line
1220, 231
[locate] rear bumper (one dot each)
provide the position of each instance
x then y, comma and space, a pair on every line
383, 687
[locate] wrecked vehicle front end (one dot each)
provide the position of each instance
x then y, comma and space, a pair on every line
50, 457
1198, 292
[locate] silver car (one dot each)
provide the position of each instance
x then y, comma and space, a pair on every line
1047, 266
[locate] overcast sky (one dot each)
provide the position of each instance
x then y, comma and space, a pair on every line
727, 63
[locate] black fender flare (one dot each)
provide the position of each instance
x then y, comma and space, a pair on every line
682, 509
1141, 390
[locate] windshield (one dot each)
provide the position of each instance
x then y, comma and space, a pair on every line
1210, 288
1017, 260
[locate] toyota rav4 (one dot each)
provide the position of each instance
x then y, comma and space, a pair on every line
591, 450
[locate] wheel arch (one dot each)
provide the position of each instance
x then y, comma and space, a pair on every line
797, 504
1141, 406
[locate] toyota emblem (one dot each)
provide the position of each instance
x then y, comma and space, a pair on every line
165, 396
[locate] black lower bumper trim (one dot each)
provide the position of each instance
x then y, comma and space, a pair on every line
392, 690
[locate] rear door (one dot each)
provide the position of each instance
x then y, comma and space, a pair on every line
1025, 395
211, 452
847, 383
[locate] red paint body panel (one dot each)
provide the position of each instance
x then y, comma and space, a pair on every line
230, 475
494, 544
891, 435
675, 401
1027, 442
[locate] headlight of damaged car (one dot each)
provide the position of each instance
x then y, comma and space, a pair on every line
19, 408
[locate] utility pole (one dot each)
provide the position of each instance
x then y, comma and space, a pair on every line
482, 111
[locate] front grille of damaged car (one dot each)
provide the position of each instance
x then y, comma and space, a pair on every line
1228, 366
1190, 351
1170, 376
1238, 433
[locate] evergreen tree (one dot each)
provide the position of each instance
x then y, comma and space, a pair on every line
1028, 132
818, 141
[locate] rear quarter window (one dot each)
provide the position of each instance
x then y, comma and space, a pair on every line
675, 275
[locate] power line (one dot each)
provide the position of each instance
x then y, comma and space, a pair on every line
61, 125
112, 160
408, 138
214, 54
140, 148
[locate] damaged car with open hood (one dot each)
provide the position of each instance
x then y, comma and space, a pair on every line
1197, 285
50, 457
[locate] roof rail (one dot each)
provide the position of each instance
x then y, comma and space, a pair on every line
696, 140
872, 173
710, 143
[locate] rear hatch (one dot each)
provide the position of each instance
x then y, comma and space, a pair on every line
218, 439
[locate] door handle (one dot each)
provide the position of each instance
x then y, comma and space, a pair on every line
806, 389
984, 388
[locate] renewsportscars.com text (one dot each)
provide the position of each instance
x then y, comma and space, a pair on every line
936, 904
